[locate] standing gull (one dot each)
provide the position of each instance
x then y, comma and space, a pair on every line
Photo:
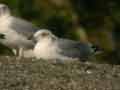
50, 47
17, 31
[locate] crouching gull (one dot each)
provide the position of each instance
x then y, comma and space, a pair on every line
16, 31
50, 47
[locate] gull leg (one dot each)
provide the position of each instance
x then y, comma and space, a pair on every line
21, 53
17, 56
15, 51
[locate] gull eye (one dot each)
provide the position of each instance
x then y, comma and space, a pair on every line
4, 8
44, 34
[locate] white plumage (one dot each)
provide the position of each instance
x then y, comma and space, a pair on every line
50, 47
17, 31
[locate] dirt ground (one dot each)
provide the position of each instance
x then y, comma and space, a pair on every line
31, 74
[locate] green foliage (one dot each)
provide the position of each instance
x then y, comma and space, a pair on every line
5, 50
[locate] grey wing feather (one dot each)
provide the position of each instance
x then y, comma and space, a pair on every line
23, 27
74, 49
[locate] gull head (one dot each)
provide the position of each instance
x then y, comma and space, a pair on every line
4, 10
44, 34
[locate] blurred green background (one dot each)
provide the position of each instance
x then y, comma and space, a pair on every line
97, 21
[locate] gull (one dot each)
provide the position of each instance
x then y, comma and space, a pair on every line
50, 47
16, 31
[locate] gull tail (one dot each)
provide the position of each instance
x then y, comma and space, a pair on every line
97, 50
2, 36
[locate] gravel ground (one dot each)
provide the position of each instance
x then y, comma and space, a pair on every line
31, 74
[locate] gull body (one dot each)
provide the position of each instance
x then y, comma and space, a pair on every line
17, 31
50, 47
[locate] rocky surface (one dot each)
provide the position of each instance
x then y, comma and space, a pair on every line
31, 74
